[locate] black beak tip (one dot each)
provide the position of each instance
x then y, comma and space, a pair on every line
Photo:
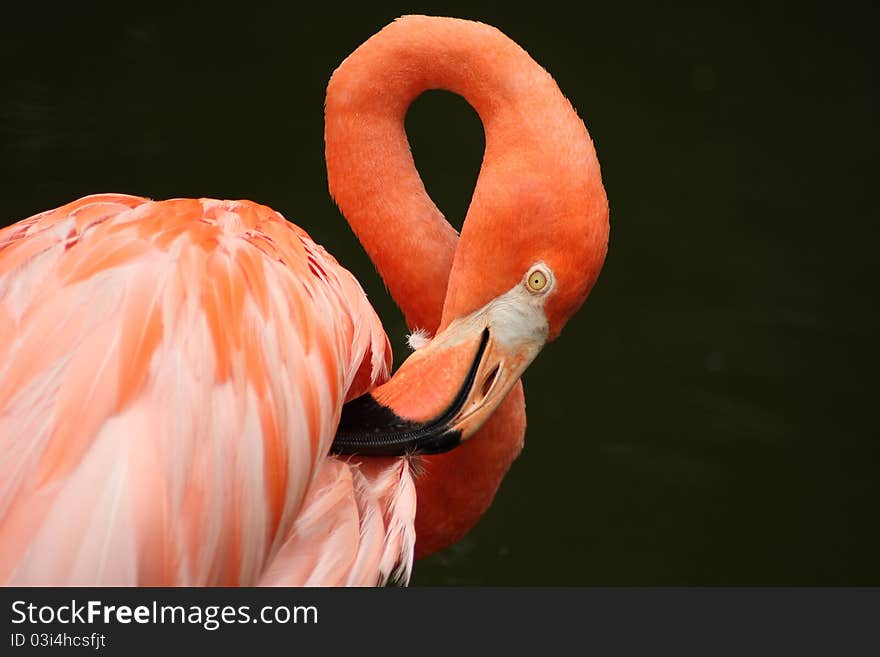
368, 428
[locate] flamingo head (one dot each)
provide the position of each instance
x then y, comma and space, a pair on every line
525, 263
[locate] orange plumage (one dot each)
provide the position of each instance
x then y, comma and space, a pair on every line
173, 373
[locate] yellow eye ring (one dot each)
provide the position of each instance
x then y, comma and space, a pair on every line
537, 280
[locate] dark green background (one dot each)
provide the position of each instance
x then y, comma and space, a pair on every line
709, 417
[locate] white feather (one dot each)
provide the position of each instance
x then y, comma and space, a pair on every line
418, 339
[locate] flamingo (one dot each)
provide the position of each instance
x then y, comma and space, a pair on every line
193, 392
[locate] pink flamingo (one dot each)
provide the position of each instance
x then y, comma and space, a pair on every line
193, 392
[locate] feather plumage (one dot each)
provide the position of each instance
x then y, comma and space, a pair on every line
171, 376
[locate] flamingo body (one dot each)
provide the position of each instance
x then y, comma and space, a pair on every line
171, 375
179, 379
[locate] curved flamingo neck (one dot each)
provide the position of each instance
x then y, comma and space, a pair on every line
370, 168
372, 176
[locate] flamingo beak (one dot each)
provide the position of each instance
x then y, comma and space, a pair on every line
441, 395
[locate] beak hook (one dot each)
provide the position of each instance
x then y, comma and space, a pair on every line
370, 429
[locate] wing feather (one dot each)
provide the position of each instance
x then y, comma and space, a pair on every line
171, 376
355, 528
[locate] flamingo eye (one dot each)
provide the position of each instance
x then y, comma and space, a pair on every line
537, 280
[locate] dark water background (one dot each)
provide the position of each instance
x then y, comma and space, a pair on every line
710, 416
